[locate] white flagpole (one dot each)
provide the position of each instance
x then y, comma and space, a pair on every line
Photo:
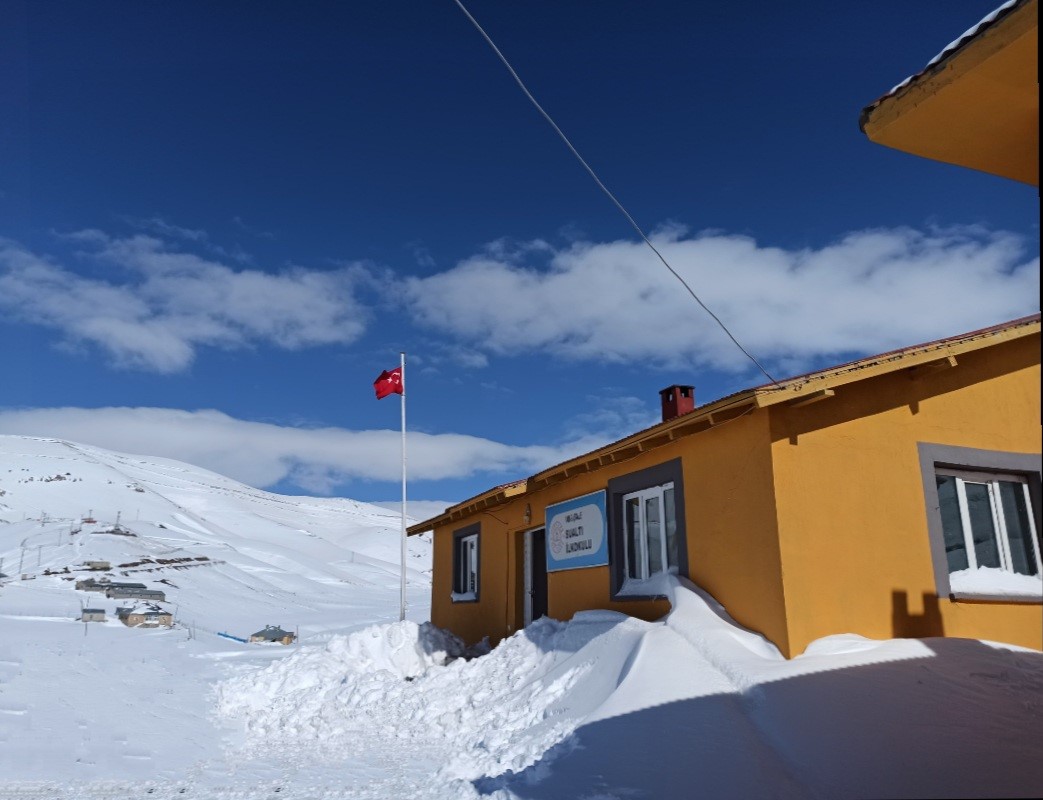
402, 593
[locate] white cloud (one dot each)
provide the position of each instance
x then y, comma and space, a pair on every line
869, 291
262, 454
610, 417
164, 304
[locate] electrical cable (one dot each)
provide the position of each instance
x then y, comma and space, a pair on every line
605, 189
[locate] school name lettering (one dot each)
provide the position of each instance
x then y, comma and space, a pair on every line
576, 535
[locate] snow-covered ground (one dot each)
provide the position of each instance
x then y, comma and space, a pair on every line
100, 701
603, 707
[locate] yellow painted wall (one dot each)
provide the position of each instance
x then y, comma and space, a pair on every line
851, 508
732, 544
473, 621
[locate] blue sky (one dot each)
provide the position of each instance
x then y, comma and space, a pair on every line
220, 221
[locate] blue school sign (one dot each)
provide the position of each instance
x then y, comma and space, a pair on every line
577, 533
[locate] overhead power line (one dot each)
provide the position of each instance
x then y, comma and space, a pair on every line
605, 189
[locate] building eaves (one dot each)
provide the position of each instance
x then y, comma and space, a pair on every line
798, 389
940, 61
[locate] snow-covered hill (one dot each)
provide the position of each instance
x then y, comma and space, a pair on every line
228, 557
101, 701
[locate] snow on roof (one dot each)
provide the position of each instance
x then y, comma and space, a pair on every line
142, 608
953, 46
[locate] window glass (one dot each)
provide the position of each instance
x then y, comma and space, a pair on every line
634, 535
983, 531
654, 530
1019, 530
646, 526
671, 527
471, 551
458, 567
952, 527
465, 567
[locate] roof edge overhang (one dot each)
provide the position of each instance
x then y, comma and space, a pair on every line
799, 390
975, 90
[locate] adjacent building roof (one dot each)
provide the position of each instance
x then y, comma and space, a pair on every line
799, 389
975, 104
141, 608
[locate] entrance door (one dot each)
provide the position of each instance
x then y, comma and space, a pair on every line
535, 575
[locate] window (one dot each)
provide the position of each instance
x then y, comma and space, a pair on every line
986, 522
983, 515
650, 532
646, 525
465, 565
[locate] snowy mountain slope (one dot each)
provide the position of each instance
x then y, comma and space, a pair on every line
101, 701
229, 557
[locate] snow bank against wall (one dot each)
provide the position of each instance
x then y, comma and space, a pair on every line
693, 705
404, 681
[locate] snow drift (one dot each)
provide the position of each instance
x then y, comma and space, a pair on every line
693, 705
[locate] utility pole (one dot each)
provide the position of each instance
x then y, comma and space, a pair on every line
39, 547
21, 559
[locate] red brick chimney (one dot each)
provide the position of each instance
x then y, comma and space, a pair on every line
677, 400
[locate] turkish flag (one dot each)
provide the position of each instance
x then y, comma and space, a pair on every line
389, 382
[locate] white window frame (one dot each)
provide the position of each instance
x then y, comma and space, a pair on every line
999, 523
465, 565
643, 495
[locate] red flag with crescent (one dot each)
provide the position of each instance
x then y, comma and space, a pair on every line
389, 382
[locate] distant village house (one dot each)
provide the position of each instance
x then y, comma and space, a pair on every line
273, 633
98, 566
92, 615
145, 616
92, 585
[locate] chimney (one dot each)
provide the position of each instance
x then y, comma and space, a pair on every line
677, 400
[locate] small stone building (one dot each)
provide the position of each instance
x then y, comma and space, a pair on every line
98, 566
145, 615
92, 585
273, 633
92, 615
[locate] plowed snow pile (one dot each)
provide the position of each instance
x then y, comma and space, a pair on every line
392, 682
607, 706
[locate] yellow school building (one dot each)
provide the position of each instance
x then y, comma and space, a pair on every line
894, 496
